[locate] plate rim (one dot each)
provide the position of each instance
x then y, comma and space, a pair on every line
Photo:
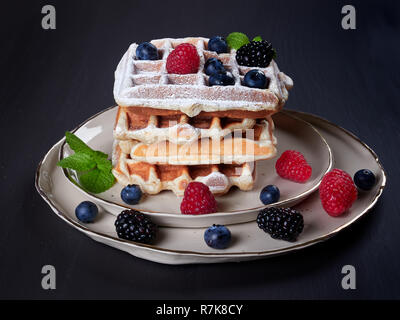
155, 248
217, 214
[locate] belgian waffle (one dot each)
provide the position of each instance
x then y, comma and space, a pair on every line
254, 144
147, 83
154, 178
178, 128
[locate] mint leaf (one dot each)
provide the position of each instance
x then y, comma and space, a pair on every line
99, 155
236, 40
75, 143
78, 145
78, 161
93, 167
104, 164
258, 38
97, 181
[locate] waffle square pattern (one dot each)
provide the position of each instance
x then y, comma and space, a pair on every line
148, 84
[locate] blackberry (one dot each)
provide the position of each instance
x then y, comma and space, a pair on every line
255, 54
134, 226
281, 223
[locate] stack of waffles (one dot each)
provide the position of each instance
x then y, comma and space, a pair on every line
172, 129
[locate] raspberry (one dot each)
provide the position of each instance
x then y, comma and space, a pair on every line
198, 199
337, 192
293, 166
183, 59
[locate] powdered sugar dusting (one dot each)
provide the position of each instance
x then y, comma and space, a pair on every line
147, 83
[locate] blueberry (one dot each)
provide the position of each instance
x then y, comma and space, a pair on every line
256, 79
218, 44
86, 211
217, 236
270, 194
146, 51
131, 194
364, 179
221, 79
213, 65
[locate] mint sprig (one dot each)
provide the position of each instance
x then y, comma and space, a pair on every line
236, 40
258, 38
97, 180
76, 144
93, 167
78, 161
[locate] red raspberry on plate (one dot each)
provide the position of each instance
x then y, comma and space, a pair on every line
293, 166
198, 199
183, 59
337, 192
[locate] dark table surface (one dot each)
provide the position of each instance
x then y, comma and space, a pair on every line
53, 80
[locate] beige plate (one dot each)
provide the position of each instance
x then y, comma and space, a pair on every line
236, 206
186, 245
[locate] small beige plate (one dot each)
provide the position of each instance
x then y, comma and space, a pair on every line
186, 245
236, 206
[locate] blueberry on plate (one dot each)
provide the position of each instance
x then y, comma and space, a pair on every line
256, 79
364, 179
131, 194
86, 211
213, 65
218, 44
146, 51
221, 79
270, 194
217, 236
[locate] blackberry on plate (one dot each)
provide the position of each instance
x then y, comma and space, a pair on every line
281, 223
255, 54
135, 226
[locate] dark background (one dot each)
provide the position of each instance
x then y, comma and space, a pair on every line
53, 80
